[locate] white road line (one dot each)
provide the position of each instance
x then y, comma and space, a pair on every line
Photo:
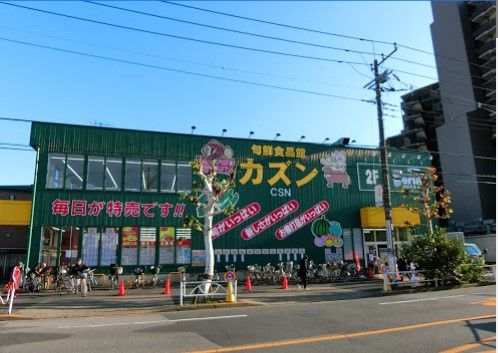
156, 321
425, 299
209, 318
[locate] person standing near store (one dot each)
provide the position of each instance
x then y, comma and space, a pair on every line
303, 272
80, 270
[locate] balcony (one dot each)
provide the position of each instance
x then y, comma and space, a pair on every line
486, 29
486, 49
482, 11
488, 69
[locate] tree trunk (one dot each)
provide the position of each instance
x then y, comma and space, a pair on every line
208, 244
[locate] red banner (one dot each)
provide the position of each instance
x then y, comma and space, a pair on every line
234, 220
269, 220
301, 220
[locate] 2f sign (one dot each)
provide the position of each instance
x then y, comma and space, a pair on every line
372, 176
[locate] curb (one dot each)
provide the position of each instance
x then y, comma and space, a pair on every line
221, 305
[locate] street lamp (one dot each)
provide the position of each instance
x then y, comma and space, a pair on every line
277, 136
223, 132
251, 133
302, 138
192, 129
326, 139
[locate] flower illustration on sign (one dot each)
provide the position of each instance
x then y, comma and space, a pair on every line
216, 152
327, 233
221, 155
334, 169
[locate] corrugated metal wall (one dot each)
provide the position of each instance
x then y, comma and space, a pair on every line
345, 202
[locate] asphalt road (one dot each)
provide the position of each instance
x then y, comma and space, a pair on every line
451, 321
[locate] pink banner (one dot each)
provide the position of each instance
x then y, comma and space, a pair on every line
269, 220
301, 220
234, 220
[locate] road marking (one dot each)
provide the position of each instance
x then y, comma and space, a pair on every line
487, 302
301, 341
156, 321
470, 346
425, 299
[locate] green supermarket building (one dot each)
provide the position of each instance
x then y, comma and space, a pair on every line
112, 196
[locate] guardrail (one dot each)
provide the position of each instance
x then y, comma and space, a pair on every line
416, 277
206, 289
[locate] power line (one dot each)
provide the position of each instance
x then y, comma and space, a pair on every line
187, 38
16, 149
219, 67
14, 144
229, 29
435, 79
19, 120
276, 24
213, 43
316, 31
435, 68
188, 72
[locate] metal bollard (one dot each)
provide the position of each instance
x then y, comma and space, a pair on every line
181, 294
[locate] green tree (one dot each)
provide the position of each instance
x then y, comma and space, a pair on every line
439, 257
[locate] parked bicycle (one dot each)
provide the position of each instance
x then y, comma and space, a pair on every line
155, 275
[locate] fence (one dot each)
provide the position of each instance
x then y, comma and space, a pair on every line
416, 277
206, 289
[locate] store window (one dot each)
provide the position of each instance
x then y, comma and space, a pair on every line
113, 167
74, 172
149, 175
69, 245
50, 245
380, 235
99, 246
132, 174
168, 176
358, 242
183, 245
147, 246
166, 245
108, 246
90, 246
95, 173
184, 175
55, 171
348, 244
129, 247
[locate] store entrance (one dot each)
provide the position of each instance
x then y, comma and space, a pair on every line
375, 244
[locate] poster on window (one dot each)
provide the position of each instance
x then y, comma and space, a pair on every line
108, 245
147, 246
90, 251
130, 246
166, 245
198, 258
183, 250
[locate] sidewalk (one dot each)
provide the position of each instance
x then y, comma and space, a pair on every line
104, 302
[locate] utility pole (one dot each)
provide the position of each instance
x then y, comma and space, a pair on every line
386, 192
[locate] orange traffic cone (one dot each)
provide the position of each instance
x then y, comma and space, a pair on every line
167, 286
121, 290
248, 284
285, 284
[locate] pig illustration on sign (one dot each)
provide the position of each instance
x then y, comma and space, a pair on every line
334, 169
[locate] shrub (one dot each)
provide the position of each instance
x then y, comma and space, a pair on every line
471, 272
439, 257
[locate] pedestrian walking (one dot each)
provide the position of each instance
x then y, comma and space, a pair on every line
303, 272
401, 263
80, 270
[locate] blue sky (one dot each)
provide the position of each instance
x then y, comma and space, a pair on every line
47, 85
